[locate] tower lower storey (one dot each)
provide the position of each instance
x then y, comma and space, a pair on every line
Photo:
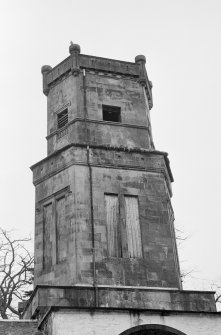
104, 217
90, 275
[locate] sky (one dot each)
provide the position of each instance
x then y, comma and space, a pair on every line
182, 43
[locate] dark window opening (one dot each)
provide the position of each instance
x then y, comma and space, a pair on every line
62, 118
111, 113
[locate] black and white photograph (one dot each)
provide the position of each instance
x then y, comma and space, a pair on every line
110, 167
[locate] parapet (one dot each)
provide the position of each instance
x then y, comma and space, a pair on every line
76, 62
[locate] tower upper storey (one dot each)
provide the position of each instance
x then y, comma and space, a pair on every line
98, 101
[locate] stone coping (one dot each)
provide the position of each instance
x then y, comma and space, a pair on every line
95, 63
46, 296
118, 287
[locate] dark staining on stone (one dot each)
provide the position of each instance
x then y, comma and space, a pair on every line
114, 94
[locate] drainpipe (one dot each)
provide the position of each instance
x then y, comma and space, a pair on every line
91, 193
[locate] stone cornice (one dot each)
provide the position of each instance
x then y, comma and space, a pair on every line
113, 148
79, 119
132, 288
122, 164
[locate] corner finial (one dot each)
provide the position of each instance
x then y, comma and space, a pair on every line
140, 59
45, 69
74, 48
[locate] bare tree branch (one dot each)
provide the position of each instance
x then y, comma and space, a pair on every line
16, 273
217, 290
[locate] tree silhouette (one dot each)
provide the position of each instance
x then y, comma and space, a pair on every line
16, 273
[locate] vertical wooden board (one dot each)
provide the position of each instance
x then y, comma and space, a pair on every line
133, 227
47, 239
61, 230
112, 215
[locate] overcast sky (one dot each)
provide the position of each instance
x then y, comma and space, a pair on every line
182, 43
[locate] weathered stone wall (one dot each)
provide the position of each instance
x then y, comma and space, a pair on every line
74, 179
116, 322
64, 94
124, 92
21, 327
157, 266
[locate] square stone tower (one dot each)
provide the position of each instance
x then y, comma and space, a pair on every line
105, 249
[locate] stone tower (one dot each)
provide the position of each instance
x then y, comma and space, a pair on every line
105, 248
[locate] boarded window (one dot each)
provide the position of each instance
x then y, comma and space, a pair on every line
133, 227
47, 242
61, 229
123, 240
62, 118
112, 213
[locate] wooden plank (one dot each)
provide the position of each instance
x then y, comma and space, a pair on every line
112, 215
133, 227
47, 236
61, 229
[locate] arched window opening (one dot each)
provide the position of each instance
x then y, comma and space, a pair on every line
152, 329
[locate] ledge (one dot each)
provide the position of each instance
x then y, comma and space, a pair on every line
106, 147
162, 312
147, 161
133, 298
105, 123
